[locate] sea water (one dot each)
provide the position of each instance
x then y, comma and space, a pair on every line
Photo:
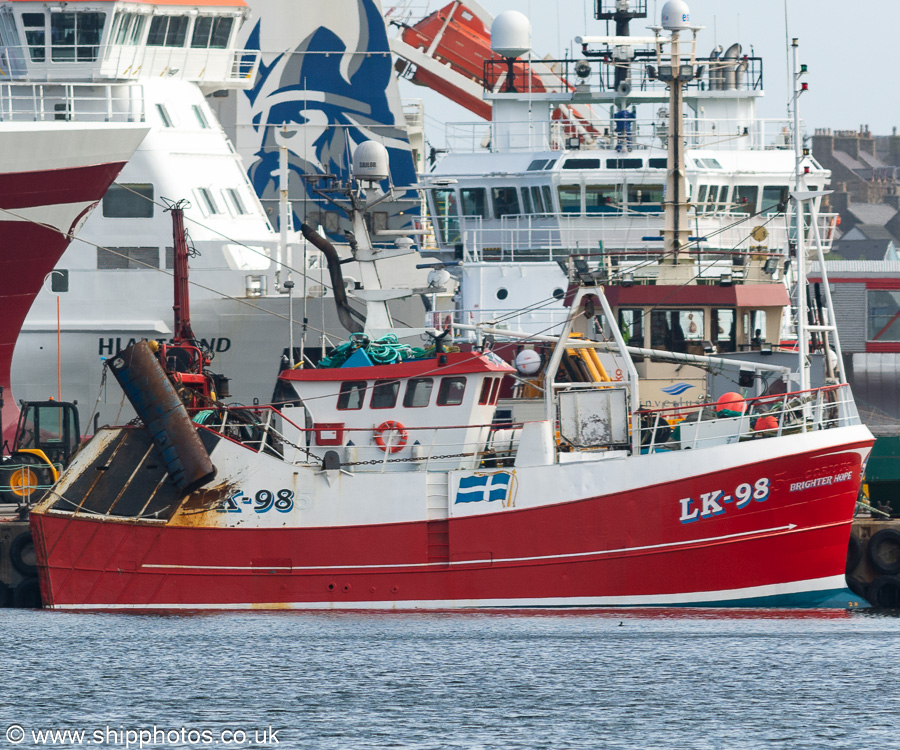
530, 680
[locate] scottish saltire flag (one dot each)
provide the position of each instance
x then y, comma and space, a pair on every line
483, 488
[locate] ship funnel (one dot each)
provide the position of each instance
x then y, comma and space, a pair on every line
676, 16
511, 34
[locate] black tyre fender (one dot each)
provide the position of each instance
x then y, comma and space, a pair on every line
21, 555
854, 553
27, 594
884, 591
883, 551
5, 596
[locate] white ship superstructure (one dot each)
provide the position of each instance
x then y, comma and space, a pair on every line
162, 64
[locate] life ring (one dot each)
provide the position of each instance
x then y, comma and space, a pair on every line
391, 426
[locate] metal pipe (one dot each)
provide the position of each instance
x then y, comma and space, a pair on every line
352, 320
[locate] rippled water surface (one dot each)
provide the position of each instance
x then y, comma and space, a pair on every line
662, 679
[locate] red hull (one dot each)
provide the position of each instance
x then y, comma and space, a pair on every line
30, 250
630, 549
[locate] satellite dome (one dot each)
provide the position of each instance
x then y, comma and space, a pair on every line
370, 162
528, 362
511, 34
676, 16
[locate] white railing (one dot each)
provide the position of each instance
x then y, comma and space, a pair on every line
708, 425
547, 237
78, 102
598, 133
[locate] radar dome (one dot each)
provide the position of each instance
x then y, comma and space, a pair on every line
511, 34
676, 16
370, 162
528, 362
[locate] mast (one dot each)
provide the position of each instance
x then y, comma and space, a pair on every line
676, 18
182, 307
802, 334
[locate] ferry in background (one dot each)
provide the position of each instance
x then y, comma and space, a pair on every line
52, 175
170, 65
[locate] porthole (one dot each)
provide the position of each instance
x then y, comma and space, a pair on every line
502, 293
559, 293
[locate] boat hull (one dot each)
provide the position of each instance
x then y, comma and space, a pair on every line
630, 547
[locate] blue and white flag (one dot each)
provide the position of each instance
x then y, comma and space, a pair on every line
483, 488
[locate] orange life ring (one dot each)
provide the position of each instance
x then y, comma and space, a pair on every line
391, 426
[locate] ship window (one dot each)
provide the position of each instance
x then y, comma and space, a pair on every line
119, 258
236, 203
581, 164
773, 196
495, 393
167, 31
754, 328
502, 293
418, 392
657, 164
208, 203
701, 198
137, 30
201, 118
59, 280
526, 201
35, 35
352, 395
745, 197
506, 201
485, 396
537, 164
724, 330
673, 330
129, 201
451, 391
550, 164
164, 115
474, 202
624, 163
446, 215
601, 199
548, 198
212, 32
631, 324
709, 163
647, 198
537, 200
75, 36
570, 199
384, 394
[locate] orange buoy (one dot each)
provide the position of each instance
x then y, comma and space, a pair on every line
766, 423
730, 402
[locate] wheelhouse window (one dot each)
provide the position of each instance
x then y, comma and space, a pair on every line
745, 197
167, 31
352, 395
418, 392
207, 203
446, 215
537, 200
164, 115
75, 36
485, 396
237, 204
201, 118
384, 394
570, 199
211, 32
601, 199
755, 328
451, 391
773, 196
35, 35
129, 29
724, 329
506, 201
526, 201
674, 330
631, 324
129, 201
646, 198
474, 202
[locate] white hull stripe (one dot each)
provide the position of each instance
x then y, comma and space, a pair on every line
58, 216
535, 558
830, 583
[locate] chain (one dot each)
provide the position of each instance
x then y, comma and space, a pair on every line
376, 461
